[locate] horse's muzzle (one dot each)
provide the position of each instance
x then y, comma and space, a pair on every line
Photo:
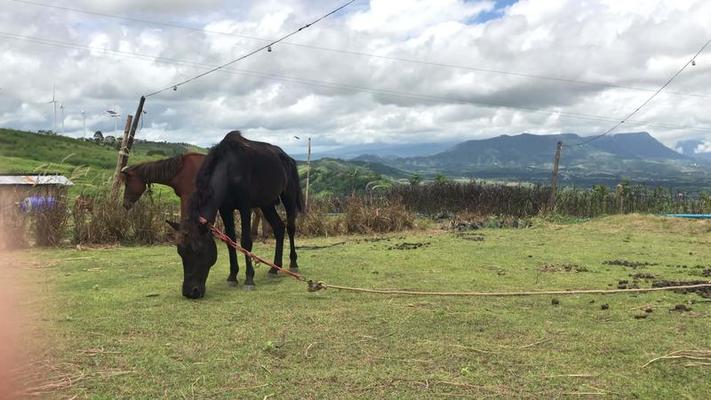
194, 293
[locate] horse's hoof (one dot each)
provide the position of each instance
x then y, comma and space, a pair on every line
294, 270
248, 288
272, 275
232, 283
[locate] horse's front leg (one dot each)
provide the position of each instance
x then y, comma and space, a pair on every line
228, 219
247, 245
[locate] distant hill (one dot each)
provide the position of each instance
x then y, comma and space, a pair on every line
330, 176
379, 150
90, 165
634, 156
691, 147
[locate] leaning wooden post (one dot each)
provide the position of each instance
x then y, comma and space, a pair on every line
554, 178
308, 175
122, 157
126, 150
134, 126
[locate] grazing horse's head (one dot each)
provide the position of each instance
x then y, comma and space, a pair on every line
198, 252
134, 186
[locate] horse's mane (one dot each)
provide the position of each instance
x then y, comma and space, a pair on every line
203, 192
158, 171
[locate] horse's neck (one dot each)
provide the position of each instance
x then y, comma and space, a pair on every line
160, 179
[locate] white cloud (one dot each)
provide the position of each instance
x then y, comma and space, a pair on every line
337, 97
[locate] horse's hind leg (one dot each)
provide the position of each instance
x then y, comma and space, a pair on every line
228, 219
291, 230
246, 243
270, 214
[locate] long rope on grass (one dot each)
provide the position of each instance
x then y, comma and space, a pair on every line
314, 286
510, 294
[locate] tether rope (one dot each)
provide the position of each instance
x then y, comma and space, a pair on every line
314, 286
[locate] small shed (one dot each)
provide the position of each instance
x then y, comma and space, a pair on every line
18, 194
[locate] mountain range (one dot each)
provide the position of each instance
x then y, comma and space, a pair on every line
635, 156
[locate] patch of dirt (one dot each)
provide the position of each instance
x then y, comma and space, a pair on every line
643, 275
702, 291
375, 239
680, 308
706, 272
568, 267
625, 284
474, 237
409, 246
470, 222
628, 263
325, 246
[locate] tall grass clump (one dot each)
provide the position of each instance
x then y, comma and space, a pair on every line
98, 219
472, 197
365, 214
356, 214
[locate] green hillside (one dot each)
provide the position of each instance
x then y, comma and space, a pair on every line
330, 176
89, 164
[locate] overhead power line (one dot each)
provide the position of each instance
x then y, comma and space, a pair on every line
359, 53
336, 85
255, 51
692, 61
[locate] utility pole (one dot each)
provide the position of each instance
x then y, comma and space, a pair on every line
61, 108
554, 178
54, 108
308, 174
83, 117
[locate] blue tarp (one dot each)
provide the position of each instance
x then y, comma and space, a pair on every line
37, 203
692, 216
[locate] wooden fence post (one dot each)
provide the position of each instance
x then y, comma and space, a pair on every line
308, 175
126, 146
122, 157
554, 178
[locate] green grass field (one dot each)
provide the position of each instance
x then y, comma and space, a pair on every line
113, 319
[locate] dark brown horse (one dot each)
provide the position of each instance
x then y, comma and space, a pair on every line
179, 173
237, 174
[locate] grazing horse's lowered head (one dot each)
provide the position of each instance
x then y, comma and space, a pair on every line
137, 178
134, 186
198, 252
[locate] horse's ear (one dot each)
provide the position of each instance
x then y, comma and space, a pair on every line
173, 224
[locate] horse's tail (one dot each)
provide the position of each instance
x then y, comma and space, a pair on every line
293, 184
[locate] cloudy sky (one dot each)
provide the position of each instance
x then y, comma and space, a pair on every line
379, 71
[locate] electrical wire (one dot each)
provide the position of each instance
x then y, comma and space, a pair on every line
337, 85
255, 51
358, 53
649, 99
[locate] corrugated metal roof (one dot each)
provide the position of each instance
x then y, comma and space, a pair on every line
35, 180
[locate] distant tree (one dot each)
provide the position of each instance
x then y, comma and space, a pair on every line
98, 137
415, 179
109, 139
440, 179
